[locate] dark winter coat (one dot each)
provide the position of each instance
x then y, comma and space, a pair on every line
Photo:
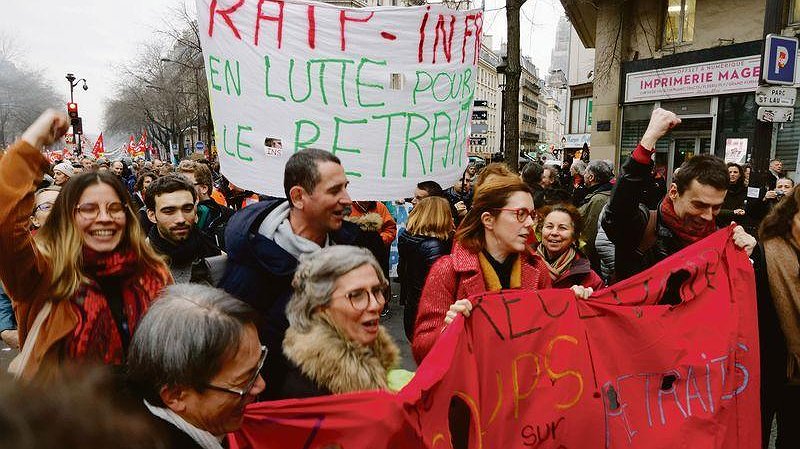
417, 255
259, 272
212, 218
343, 367
171, 436
579, 273
734, 199
639, 236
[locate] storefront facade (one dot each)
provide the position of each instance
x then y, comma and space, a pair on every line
712, 90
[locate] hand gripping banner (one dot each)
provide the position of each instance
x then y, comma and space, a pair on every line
387, 90
666, 359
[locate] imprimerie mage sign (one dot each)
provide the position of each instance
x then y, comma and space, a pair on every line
387, 90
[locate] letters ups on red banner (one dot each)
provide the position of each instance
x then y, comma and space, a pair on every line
668, 358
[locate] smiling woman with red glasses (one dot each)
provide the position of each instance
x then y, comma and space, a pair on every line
82, 284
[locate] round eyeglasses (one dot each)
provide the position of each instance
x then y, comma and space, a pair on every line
520, 213
360, 298
90, 211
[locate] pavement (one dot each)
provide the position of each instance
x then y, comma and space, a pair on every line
394, 324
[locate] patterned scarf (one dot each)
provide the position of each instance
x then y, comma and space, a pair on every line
96, 336
560, 264
688, 230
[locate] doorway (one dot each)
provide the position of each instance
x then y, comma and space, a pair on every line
692, 138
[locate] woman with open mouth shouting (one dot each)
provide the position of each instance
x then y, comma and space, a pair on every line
82, 284
335, 343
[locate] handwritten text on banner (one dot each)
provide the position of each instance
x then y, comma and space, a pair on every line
387, 90
668, 358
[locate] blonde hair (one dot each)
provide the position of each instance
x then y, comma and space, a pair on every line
62, 245
431, 217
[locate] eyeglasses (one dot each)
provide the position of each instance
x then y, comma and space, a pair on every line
44, 207
243, 392
521, 213
90, 211
359, 299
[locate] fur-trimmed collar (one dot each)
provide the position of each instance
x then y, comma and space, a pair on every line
336, 363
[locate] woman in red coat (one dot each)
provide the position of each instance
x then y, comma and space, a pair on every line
489, 254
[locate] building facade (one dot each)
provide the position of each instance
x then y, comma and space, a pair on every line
698, 59
530, 126
487, 105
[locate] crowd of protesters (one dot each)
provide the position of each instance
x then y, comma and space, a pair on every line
90, 250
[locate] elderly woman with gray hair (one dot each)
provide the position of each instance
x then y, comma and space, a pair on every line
335, 343
195, 360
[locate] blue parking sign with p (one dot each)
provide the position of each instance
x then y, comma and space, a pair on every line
780, 59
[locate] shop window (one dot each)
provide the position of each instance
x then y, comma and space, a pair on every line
688, 106
679, 24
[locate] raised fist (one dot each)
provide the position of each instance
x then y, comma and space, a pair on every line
661, 121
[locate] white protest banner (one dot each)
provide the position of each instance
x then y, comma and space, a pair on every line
387, 90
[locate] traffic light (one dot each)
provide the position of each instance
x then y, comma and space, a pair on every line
72, 110
77, 125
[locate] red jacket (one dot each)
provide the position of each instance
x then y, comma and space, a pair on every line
455, 277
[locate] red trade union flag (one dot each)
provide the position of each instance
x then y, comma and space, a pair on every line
668, 358
141, 147
131, 146
99, 147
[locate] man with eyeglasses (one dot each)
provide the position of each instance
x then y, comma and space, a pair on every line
196, 387
171, 203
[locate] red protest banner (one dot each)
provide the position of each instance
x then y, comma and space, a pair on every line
668, 358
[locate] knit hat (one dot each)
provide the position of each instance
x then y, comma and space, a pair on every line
66, 168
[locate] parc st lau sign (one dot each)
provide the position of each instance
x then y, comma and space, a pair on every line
708, 78
388, 90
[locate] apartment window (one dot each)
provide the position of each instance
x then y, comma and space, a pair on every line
679, 26
580, 120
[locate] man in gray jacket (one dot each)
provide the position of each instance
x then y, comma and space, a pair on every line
597, 178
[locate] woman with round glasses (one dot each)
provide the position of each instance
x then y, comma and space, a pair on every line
82, 284
197, 386
335, 343
561, 227
490, 253
43, 201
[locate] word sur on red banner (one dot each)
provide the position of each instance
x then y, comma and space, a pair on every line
668, 358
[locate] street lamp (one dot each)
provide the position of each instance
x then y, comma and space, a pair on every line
72, 83
194, 70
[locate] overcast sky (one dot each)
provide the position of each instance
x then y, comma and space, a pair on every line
90, 37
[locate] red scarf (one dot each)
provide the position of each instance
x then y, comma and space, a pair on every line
96, 337
687, 230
